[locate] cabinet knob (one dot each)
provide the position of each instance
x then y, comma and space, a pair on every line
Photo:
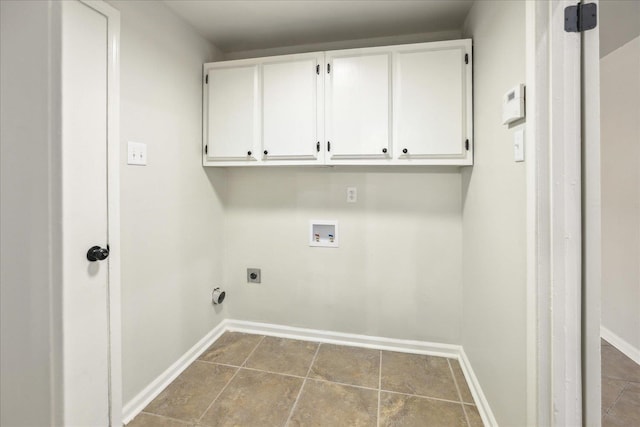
266, 152
384, 150
248, 153
405, 151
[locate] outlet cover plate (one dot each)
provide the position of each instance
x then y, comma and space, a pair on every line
253, 275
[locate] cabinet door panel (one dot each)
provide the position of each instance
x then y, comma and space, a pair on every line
290, 108
233, 125
430, 103
358, 111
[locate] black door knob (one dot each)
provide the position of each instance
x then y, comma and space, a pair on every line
96, 253
266, 152
248, 153
405, 151
384, 150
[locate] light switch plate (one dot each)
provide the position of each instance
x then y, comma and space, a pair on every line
518, 145
136, 153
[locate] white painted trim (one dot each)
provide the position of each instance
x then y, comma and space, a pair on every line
150, 392
476, 391
564, 109
340, 338
621, 344
537, 175
591, 231
140, 401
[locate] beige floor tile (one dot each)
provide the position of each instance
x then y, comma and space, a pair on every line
150, 420
254, 398
410, 411
328, 404
189, 395
475, 420
284, 356
232, 348
626, 410
611, 389
348, 365
418, 374
618, 366
461, 381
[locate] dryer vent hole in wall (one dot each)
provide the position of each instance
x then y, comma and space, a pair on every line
218, 295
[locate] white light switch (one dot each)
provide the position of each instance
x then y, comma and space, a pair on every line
352, 194
137, 153
518, 145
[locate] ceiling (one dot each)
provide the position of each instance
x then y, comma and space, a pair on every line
240, 25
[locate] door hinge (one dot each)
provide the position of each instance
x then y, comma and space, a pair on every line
206, 79
206, 149
318, 69
466, 145
318, 146
466, 58
328, 68
581, 17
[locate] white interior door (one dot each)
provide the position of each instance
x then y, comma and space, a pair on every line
358, 104
233, 123
85, 222
291, 113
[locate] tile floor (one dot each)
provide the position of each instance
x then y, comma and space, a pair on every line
620, 388
253, 380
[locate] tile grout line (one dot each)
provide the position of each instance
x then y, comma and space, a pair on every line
379, 387
229, 382
295, 403
246, 368
455, 382
178, 420
624, 388
418, 396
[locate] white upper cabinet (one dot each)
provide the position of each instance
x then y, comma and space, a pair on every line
358, 105
392, 105
231, 119
432, 101
292, 108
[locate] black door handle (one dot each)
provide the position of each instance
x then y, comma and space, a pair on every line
96, 253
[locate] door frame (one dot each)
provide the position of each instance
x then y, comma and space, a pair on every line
563, 220
554, 217
113, 208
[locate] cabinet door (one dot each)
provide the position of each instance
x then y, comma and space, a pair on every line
232, 119
431, 101
358, 95
291, 108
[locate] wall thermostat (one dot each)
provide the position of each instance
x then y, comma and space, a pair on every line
513, 105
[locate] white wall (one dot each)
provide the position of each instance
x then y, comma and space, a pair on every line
494, 214
172, 215
619, 22
620, 156
347, 44
30, 288
396, 272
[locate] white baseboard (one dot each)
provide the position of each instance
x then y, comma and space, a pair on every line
629, 350
150, 392
476, 391
138, 403
355, 340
